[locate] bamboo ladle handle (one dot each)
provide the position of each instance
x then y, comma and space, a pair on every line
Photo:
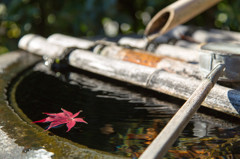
161, 144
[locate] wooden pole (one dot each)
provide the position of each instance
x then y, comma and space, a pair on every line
171, 131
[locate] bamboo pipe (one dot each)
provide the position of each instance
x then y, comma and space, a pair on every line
142, 43
134, 56
185, 54
175, 14
31, 42
215, 35
69, 41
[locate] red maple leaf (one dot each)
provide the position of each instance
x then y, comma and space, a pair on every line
65, 117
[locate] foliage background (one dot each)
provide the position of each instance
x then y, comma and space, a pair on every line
96, 17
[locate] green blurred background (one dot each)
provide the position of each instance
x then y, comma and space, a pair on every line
96, 18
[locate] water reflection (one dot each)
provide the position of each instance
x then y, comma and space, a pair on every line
107, 129
122, 119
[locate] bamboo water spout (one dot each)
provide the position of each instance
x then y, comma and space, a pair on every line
175, 14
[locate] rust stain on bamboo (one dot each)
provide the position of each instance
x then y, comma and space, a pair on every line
142, 58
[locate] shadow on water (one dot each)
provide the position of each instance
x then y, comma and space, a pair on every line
122, 118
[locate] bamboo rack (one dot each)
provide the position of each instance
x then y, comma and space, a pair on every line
156, 78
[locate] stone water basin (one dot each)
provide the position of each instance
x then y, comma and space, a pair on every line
122, 119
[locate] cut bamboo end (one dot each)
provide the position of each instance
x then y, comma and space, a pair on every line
175, 14
159, 24
39, 45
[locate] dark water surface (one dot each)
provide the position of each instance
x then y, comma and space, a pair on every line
123, 119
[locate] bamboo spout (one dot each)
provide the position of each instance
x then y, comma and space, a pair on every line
175, 14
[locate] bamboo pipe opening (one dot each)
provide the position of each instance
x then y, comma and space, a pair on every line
175, 14
158, 24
